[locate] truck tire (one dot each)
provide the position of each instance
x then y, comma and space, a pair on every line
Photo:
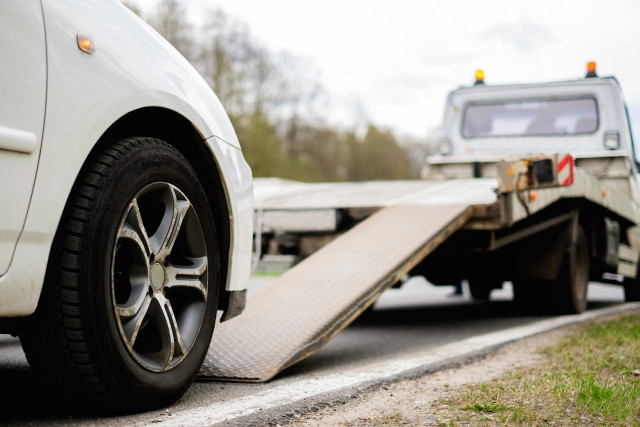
570, 289
130, 298
481, 289
632, 287
530, 293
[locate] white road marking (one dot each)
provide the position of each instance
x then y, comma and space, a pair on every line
379, 371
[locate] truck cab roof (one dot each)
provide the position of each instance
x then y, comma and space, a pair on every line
586, 117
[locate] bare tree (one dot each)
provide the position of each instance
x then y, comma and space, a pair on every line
272, 97
171, 21
248, 77
133, 7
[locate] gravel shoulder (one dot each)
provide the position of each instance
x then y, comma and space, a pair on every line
415, 402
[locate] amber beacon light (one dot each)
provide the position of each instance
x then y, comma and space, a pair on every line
479, 77
591, 69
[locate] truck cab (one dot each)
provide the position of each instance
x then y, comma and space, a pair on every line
591, 228
586, 117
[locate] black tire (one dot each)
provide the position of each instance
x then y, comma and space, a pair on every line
130, 297
481, 289
570, 289
632, 287
529, 294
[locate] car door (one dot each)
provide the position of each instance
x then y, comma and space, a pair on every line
23, 85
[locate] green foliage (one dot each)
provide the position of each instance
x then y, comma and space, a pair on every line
271, 99
381, 157
261, 144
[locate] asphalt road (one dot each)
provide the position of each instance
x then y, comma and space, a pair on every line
416, 328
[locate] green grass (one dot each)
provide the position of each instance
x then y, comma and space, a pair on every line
487, 407
591, 378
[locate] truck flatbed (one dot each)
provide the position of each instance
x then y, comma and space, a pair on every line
490, 208
309, 304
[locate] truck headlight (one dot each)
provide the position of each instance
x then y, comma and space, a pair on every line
444, 146
611, 140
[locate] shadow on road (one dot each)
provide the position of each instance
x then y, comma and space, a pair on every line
381, 334
463, 311
25, 397
378, 334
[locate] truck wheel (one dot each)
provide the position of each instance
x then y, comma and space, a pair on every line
632, 287
530, 293
570, 289
130, 298
481, 289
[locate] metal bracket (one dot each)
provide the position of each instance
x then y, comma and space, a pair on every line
257, 240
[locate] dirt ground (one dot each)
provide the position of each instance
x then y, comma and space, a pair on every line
415, 402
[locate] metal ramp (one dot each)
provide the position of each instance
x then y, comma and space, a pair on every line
309, 304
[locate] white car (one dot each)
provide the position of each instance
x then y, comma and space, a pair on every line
126, 213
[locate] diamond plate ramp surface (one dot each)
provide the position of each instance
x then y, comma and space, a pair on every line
299, 312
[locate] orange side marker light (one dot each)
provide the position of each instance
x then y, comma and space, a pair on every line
85, 43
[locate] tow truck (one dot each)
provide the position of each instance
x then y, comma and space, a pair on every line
533, 184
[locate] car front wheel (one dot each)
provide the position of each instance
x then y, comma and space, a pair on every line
130, 298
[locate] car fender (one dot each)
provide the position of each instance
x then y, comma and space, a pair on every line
132, 67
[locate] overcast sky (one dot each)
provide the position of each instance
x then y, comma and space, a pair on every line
395, 61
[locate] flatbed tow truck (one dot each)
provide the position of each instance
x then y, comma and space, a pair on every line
536, 184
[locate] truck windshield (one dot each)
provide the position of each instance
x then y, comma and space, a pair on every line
531, 118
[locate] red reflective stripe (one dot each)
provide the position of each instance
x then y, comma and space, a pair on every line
566, 160
562, 163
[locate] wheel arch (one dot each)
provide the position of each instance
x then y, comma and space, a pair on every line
176, 130
605, 231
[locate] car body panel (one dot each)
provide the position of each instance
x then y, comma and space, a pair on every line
23, 84
132, 68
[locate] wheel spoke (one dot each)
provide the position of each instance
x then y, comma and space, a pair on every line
188, 276
132, 320
135, 304
172, 346
133, 228
130, 267
178, 347
176, 208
